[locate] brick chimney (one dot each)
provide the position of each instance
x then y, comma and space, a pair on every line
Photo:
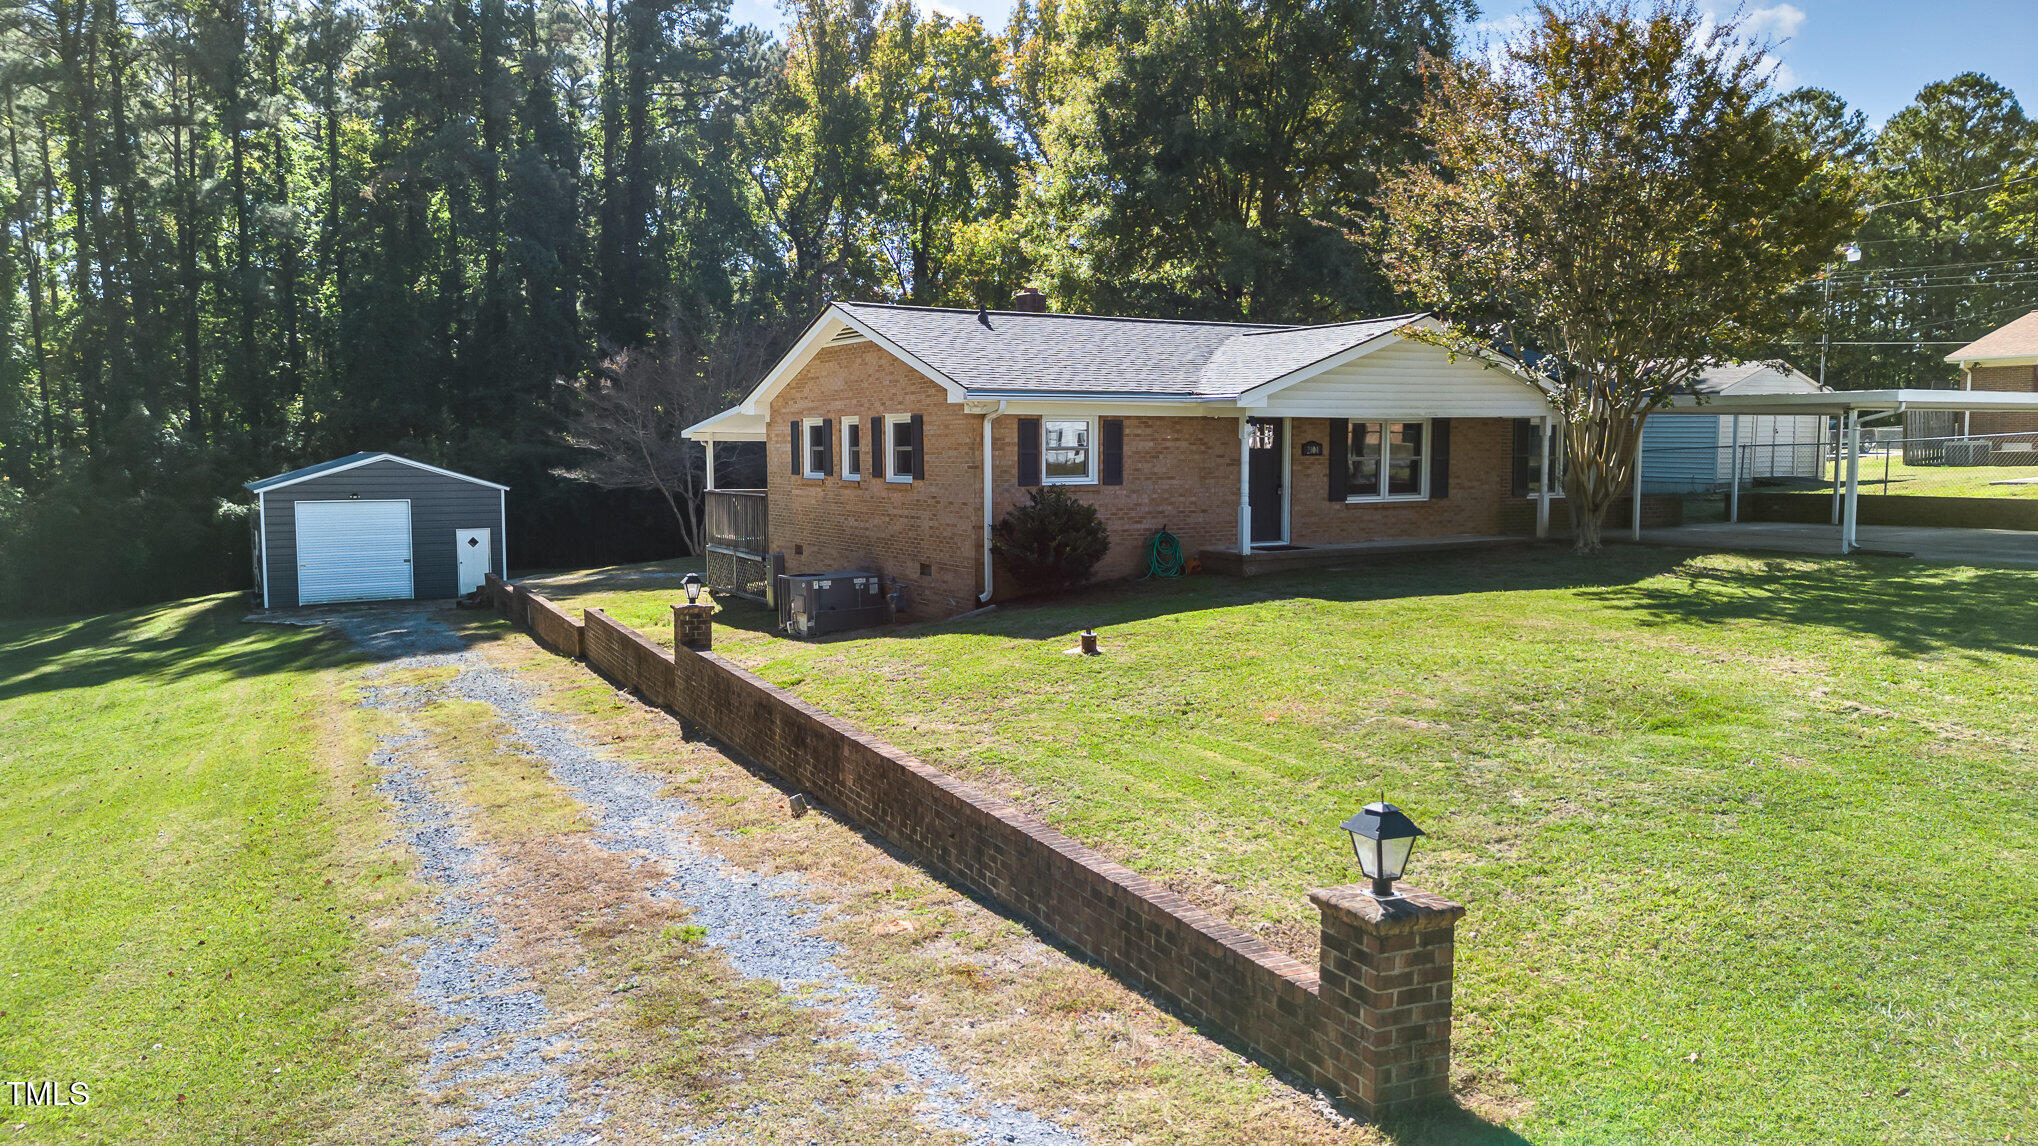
1030, 299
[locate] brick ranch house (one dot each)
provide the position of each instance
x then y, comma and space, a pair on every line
896, 435
2005, 360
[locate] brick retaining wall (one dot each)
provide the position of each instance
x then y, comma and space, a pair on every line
1896, 509
1203, 968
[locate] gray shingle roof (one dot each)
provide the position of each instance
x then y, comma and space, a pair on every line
2015, 339
1021, 352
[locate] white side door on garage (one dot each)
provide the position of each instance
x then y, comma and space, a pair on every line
472, 547
353, 551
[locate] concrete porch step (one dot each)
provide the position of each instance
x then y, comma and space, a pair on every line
1258, 562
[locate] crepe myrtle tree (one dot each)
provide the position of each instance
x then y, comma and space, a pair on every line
1611, 198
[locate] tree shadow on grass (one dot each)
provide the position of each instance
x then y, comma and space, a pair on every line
1914, 609
1400, 577
142, 647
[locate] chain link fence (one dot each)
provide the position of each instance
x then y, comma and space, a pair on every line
1895, 460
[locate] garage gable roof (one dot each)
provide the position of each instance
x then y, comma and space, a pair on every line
353, 461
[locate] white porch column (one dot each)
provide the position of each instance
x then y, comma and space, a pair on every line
1635, 487
1734, 473
708, 444
1543, 490
1839, 433
1245, 485
1852, 515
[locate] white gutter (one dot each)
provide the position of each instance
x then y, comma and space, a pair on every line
985, 597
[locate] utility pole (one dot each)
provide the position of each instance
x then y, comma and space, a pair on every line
1853, 254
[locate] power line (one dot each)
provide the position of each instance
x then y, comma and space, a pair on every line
1950, 194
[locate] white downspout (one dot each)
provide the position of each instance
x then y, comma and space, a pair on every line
985, 597
708, 445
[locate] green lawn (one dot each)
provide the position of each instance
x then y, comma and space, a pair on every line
1887, 473
186, 851
1749, 843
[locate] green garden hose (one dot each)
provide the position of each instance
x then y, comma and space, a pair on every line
1163, 555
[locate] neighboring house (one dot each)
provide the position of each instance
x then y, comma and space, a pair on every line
375, 527
1689, 454
2004, 360
895, 435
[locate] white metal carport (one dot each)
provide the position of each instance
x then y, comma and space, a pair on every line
1848, 406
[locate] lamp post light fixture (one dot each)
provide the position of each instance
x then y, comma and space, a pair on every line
1382, 837
692, 584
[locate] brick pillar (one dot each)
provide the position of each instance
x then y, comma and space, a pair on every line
1384, 1004
693, 626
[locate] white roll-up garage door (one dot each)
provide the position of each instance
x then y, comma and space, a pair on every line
353, 551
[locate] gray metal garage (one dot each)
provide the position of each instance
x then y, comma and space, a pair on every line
375, 527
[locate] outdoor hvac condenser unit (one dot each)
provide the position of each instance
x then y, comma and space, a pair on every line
810, 604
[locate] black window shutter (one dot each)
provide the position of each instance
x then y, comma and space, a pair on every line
1111, 462
798, 469
919, 447
827, 445
1338, 452
1524, 445
1440, 457
1029, 451
874, 448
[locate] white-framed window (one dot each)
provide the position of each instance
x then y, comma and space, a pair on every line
817, 447
852, 449
1389, 461
1068, 451
900, 448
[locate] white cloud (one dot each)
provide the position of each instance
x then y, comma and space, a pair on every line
1780, 22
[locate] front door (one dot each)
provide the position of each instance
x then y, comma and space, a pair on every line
1266, 456
473, 547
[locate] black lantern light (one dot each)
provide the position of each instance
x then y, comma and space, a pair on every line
692, 584
1383, 836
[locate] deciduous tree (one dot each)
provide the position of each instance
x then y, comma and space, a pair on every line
1612, 198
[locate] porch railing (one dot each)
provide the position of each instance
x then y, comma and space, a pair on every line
737, 534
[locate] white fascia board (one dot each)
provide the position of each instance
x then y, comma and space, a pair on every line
1117, 407
2013, 360
731, 425
371, 460
831, 322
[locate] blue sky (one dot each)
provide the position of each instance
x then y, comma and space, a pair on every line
1875, 53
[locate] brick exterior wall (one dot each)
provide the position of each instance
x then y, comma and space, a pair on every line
1481, 487
2004, 379
872, 525
1181, 473
1204, 969
1519, 516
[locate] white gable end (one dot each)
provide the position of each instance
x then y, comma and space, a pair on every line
1408, 380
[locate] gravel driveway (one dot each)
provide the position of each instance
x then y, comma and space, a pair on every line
504, 1047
